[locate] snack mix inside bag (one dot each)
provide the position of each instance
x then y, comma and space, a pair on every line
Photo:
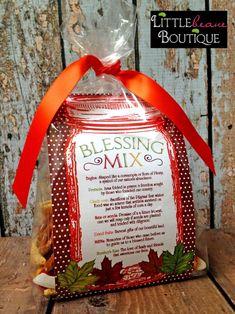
114, 200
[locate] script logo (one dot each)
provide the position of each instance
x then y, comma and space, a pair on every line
189, 29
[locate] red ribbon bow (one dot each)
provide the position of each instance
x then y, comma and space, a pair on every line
137, 83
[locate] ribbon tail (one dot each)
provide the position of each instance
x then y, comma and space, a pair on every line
47, 109
151, 92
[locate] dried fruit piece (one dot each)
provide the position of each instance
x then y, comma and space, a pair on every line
199, 264
44, 237
39, 271
42, 248
36, 257
45, 281
45, 247
49, 265
49, 292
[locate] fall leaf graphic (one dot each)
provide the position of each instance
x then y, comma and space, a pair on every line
108, 273
77, 279
178, 262
152, 267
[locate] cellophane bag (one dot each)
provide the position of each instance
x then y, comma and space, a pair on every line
114, 204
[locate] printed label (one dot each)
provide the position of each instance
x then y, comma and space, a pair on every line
126, 197
123, 213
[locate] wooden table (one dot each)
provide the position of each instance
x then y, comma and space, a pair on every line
214, 293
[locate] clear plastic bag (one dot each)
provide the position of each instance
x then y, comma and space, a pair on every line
115, 205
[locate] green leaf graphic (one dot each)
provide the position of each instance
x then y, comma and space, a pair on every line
195, 30
77, 279
162, 14
177, 263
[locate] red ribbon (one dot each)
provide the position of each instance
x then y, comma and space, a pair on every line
137, 83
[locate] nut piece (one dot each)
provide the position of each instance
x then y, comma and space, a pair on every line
36, 257
49, 265
49, 293
45, 281
199, 264
42, 248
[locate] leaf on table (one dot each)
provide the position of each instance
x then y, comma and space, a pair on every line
77, 279
178, 262
152, 267
108, 273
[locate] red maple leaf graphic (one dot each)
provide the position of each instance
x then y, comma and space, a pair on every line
152, 267
108, 274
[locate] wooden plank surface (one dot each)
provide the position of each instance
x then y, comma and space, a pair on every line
221, 248
194, 296
183, 73
16, 290
77, 14
223, 102
30, 60
30, 57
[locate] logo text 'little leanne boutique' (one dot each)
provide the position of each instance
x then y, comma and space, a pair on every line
189, 29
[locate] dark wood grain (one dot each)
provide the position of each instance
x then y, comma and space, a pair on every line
221, 247
16, 291
194, 296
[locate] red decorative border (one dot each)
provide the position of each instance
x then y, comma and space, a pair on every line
73, 191
64, 191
